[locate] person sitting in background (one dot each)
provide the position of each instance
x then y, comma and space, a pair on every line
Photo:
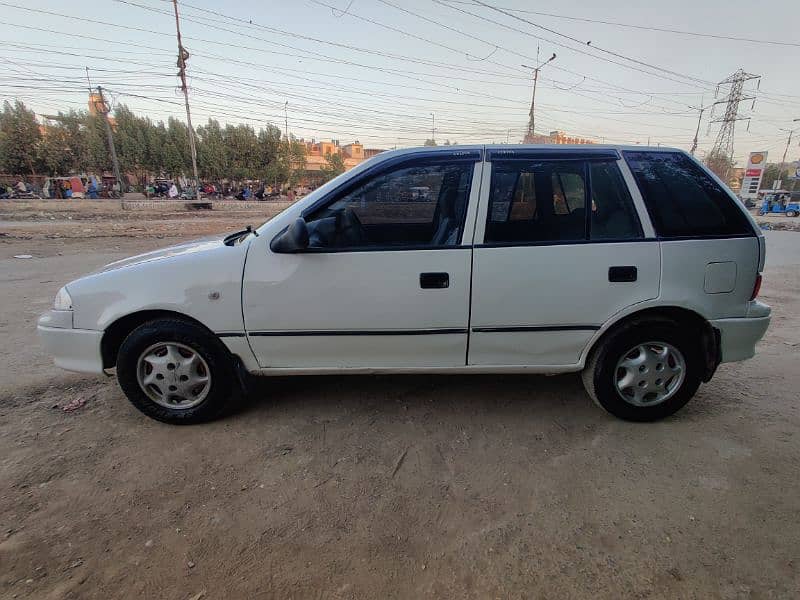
173, 191
92, 190
21, 187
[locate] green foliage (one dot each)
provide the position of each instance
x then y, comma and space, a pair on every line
429, 142
774, 171
63, 148
333, 168
76, 142
721, 164
19, 139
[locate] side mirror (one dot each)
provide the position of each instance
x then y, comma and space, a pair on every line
292, 239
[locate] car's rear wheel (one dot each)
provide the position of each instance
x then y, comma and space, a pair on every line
645, 371
791, 213
175, 371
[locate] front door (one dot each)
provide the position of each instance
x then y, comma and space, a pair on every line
385, 282
562, 251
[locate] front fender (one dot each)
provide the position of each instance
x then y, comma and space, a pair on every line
206, 286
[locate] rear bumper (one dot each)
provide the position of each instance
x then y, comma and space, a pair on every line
738, 337
73, 349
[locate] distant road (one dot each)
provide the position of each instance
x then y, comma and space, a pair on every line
783, 248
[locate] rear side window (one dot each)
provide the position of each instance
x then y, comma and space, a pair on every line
682, 199
547, 201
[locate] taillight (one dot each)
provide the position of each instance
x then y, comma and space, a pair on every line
756, 287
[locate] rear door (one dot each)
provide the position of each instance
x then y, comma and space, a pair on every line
560, 248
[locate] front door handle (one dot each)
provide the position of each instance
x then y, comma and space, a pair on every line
622, 274
434, 281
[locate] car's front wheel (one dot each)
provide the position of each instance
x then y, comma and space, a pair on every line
175, 371
645, 371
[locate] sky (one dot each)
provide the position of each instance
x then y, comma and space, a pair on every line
388, 72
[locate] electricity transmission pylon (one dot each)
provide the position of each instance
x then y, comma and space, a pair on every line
722, 152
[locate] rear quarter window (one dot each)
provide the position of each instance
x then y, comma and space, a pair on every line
682, 199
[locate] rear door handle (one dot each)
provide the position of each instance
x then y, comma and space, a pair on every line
622, 274
434, 281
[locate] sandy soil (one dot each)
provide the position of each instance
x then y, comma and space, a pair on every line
387, 487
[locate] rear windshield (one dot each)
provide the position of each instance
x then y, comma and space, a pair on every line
682, 199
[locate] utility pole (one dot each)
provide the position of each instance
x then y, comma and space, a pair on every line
786, 150
702, 109
286, 118
183, 55
531, 115
723, 146
433, 128
104, 110
109, 135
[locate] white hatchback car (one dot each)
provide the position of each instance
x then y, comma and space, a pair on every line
633, 265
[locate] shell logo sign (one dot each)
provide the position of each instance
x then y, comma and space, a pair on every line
753, 174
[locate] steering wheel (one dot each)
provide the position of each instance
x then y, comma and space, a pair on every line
349, 230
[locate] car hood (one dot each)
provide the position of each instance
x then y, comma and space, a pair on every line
191, 247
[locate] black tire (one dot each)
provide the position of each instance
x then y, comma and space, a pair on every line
224, 383
791, 213
599, 375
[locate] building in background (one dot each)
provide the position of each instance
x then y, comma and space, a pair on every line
735, 180
96, 108
555, 137
317, 152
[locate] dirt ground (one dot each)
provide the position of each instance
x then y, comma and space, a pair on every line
383, 487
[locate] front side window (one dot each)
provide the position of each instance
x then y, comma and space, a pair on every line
415, 206
683, 200
548, 201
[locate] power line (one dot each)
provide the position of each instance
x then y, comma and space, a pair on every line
642, 27
598, 48
559, 44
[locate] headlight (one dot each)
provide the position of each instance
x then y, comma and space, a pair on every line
63, 300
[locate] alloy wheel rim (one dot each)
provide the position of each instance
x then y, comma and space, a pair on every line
650, 373
173, 375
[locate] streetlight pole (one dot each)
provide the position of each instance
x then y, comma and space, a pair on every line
702, 109
433, 128
531, 120
786, 150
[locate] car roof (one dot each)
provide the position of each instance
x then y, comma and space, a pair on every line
525, 148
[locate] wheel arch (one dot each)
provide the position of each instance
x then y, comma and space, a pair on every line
117, 331
707, 336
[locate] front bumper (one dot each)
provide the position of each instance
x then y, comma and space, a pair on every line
738, 337
71, 349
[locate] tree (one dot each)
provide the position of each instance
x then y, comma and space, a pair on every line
430, 142
130, 140
212, 158
334, 167
269, 144
241, 143
62, 149
775, 171
176, 159
721, 164
97, 157
19, 139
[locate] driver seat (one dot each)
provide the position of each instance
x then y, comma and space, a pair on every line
447, 229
